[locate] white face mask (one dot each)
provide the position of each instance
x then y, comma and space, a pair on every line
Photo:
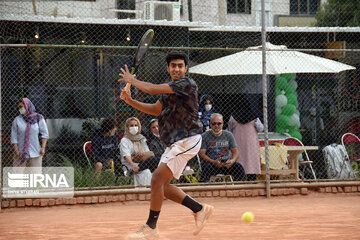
133, 130
156, 135
208, 107
22, 111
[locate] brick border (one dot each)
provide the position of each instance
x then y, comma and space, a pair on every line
206, 191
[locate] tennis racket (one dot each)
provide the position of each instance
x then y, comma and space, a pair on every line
141, 50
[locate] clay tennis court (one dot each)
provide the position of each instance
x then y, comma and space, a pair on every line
323, 216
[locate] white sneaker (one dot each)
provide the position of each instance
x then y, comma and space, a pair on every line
201, 217
144, 232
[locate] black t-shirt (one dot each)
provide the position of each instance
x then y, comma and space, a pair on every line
179, 117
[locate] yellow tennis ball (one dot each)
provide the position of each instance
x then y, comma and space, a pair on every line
247, 217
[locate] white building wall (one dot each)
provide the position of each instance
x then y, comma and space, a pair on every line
215, 11
205, 11
81, 9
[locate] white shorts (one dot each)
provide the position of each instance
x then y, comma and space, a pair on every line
179, 153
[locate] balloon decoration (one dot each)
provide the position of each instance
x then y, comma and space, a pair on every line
281, 100
286, 104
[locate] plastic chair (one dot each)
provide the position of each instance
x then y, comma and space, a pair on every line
290, 141
351, 144
87, 151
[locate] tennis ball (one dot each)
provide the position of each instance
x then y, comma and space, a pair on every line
247, 217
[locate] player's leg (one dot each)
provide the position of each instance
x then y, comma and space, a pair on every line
176, 159
161, 177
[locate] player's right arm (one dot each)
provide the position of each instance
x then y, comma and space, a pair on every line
147, 87
149, 108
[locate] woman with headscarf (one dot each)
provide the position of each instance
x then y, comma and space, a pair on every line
206, 108
134, 150
155, 144
245, 125
25, 132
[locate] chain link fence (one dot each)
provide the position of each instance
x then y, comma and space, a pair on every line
65, 56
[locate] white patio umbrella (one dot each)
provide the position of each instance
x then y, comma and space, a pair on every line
249, 62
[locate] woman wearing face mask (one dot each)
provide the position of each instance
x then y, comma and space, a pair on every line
104, 145
25, 132
134, 150
206, 109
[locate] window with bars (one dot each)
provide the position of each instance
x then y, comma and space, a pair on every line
128, 5
239, 6
304, 7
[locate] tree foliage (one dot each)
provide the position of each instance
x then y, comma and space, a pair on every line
339, 13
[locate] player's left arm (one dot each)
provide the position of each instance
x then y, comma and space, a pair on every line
147, 87
149, 108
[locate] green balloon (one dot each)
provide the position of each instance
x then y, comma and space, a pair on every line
280, 129
296, 134
288, 76
281, 83
288, 109
292, 99
293, 128
282, 120
277, 91
288, 89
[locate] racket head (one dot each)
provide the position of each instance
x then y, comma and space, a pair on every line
142, 48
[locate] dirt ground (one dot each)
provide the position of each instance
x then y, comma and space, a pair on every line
294, 217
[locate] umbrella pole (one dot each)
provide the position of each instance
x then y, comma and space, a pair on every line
264, 84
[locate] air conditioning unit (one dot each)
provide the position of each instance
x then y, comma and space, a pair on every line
156, 10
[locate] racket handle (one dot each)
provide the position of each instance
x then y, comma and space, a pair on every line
127, 87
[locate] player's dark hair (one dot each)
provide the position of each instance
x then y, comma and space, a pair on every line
107, 124
176, 55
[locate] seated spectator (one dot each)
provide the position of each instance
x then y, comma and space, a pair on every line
155, 144
134, 152
206, 109
216, 146
104, 145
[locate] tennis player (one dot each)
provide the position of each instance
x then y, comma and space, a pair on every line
180, 129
